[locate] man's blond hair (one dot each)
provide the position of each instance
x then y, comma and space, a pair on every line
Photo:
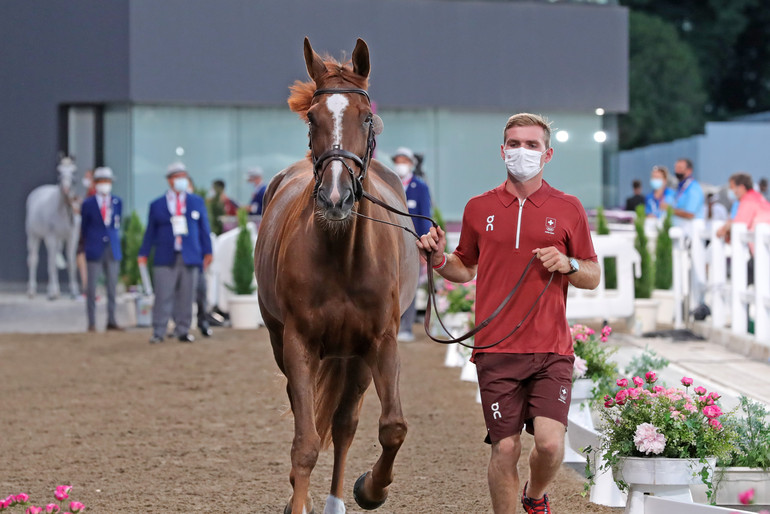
525, 119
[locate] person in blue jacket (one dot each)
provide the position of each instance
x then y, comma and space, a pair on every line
100, 236
255, 178
418, 202
178, 230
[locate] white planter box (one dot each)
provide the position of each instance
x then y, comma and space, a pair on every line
645, 315
244, 311
665, 298
730, 482
144, 310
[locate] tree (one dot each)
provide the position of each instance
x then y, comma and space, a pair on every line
243, 262
664, 254
666, 91
643, 284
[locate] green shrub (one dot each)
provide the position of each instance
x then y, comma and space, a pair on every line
753, 447
243, 263
133, 232
648, 360
643, 284
610, 267
664, 257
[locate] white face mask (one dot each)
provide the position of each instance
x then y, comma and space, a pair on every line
103, 188
522, 163
180, 184
402, 169
731, 195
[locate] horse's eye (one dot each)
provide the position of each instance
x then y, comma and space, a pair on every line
368, 118
310, 118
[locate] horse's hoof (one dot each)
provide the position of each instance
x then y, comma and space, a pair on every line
287, 509
362, 502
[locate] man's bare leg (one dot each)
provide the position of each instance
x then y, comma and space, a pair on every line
546, 456
503, 476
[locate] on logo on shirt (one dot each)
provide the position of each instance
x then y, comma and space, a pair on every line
490, 220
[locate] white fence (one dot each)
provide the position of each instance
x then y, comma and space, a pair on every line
706, 269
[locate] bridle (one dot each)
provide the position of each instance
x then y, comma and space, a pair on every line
337, 153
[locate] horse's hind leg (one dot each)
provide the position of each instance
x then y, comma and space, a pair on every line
301, 369
371, 489
358, 376
33, 247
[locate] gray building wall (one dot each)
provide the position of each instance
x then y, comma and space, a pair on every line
467, 55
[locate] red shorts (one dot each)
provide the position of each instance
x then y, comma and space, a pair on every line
517, 387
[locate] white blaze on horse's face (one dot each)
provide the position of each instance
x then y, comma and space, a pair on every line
336, 104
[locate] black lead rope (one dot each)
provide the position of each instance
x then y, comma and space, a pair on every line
432, 287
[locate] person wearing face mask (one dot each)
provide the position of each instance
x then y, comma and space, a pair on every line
660, 194
418, 201
689, 201
178, 230
752, 206
526, 379
100, 235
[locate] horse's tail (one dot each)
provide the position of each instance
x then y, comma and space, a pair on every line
330, 384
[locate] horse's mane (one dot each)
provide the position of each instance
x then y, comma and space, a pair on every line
302, 92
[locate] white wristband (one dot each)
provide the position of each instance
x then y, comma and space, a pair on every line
443, 264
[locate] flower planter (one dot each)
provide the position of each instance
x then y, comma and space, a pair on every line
665, 298
144, 310
659, 476
645, 315
730, 482
457, 324
127, 308
244, 311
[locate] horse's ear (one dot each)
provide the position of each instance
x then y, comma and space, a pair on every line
361, 58
315, 65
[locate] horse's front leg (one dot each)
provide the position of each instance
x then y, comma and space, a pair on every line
33, 247
357, 376
301, 369
371, 488
52, 248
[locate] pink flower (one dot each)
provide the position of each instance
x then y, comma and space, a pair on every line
620, 397
52, 508
22, 498
76, 507
746, 497
686, 381
651, 376
712, 411
62, 492
648, 440
33, 510
714, 396
638, 382
622, 382
606, 330
579, 367
700, 390
715, 424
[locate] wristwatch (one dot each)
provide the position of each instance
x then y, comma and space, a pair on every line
574, 266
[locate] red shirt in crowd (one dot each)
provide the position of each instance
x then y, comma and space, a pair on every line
498, 233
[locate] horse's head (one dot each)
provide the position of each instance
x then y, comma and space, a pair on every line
66, 170
341, 129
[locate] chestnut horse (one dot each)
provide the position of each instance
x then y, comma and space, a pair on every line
333, 284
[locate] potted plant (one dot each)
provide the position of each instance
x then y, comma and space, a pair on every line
645, 308
664, 271
244, 306
659, 441
748, 465
139, 307
594, 371
610, 265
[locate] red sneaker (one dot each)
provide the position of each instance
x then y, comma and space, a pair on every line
532, 506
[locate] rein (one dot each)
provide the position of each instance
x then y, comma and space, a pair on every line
432, 287
337, 153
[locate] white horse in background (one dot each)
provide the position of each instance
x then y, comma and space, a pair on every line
53, 217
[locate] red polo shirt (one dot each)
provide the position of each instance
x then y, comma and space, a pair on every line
498, 233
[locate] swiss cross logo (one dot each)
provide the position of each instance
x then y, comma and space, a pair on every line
563, 394
550, 225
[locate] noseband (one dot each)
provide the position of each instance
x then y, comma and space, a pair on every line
337, 153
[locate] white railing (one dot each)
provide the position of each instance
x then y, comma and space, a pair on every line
706, 269
602, 302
